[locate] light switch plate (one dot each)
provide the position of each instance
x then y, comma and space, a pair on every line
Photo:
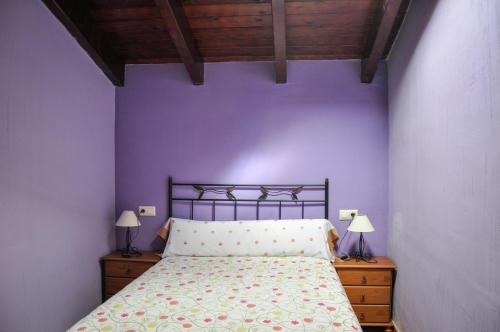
147, 211
347, 214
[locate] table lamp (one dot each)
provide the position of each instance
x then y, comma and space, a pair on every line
361, 224
129, 219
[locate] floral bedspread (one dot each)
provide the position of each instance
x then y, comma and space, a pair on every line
229, 294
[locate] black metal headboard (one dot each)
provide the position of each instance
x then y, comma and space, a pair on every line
265, 191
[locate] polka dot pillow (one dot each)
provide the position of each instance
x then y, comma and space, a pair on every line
300, 237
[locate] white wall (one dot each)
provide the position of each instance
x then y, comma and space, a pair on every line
56, 172
444, 165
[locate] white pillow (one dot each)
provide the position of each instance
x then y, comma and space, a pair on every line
300, 237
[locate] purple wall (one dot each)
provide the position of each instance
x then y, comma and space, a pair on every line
241, 127
444, 129
56, 172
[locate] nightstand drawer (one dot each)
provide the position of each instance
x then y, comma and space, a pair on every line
368, 294
114, 285
118, 271
373, 313
365, 277
125, 269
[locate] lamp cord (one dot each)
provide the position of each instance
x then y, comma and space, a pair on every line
132, 238
135, 237
136, 233
342, 253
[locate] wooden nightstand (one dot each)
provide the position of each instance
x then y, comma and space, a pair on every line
118, 271
369, 289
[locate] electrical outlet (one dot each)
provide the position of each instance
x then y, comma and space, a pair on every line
347, 214
147, 211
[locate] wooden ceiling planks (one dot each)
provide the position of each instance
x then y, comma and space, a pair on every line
245, 24
135, 31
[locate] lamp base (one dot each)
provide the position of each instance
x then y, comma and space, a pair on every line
360, 254
358, 258
131, 252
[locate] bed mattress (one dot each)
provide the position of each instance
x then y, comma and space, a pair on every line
229, 294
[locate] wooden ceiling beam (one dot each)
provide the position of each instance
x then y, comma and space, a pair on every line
279, 34
389, 12
180, 32
89, 39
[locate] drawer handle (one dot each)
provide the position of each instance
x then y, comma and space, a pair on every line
363, 279
128, 271
362, 316
363, 298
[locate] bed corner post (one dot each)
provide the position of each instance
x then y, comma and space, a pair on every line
327, 189
169, 199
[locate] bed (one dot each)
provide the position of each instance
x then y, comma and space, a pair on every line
229, 293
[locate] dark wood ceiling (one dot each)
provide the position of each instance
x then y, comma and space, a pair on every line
196, 31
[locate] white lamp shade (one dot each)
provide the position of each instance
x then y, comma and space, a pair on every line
128, 219
361, 224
